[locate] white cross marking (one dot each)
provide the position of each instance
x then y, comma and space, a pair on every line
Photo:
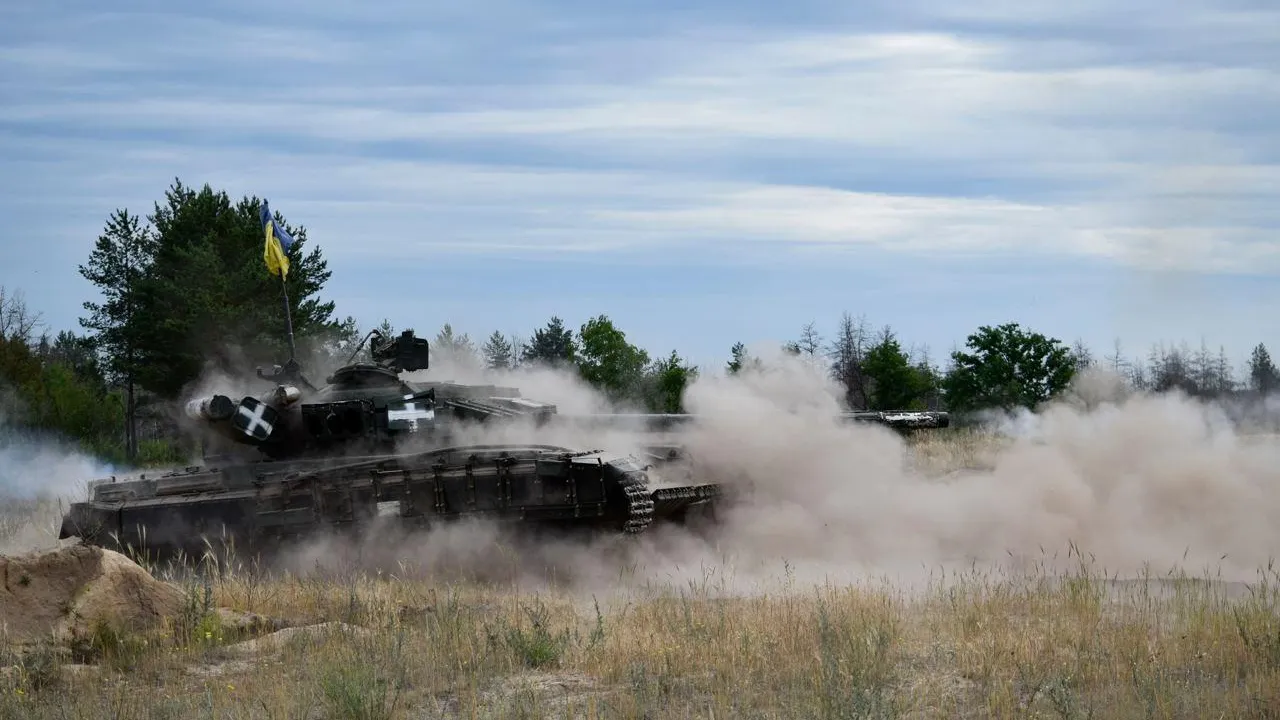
412, 414
255, 418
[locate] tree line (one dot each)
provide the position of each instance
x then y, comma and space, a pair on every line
186, 291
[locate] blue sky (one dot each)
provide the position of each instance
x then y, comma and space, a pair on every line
704, 174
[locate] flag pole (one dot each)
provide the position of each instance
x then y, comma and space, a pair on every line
281, 267
288, 317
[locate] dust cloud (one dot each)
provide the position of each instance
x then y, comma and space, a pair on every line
39, 475
1136, 482
1131, 480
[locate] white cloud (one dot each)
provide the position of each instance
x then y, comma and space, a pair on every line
49, 57
398, 210
1138, 160
922, 95
933, 225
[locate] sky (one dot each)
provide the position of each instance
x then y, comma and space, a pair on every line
702, 174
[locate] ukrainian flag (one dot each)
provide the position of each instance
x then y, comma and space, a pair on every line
278, 243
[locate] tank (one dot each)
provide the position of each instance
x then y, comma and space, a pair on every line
368, 446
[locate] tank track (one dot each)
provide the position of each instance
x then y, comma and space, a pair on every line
695, 492
639, 509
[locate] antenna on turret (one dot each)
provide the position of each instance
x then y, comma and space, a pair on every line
368, 335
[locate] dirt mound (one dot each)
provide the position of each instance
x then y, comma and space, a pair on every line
71, 590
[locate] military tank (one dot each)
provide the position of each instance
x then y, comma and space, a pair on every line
369, 446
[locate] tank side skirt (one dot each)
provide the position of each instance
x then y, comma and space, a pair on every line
429, 487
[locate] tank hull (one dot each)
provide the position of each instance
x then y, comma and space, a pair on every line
259, 507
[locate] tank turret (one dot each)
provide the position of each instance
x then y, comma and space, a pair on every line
362, 406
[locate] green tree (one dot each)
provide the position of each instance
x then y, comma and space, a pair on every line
19, 378
208, 298
931, 383
338, 347
1263, 376
384, 328
499, 353
73, 408
454, 348
119, 262
895, 384
740, 359
607, 361
42, 391
19, 366
78, 353
737, 358
1007, 367
552, 345
668, 379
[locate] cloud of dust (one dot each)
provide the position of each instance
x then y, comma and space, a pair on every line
560, 387
39, 476
1132, 480
539, 382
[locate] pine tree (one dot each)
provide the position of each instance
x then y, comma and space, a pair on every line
118, 264
551, 345
454, 348
895, 384
1263, 376
737, 358
208, 298
499, 354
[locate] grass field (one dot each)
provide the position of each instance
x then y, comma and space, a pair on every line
983, 643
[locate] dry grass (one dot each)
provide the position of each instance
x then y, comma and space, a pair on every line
1023, 644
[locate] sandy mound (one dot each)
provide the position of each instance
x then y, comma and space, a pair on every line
71, 590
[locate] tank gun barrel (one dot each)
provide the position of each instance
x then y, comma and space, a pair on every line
657, 422
901, 419
248, 421
645, 422
214, 408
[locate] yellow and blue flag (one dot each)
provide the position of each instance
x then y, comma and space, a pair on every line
279, 241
